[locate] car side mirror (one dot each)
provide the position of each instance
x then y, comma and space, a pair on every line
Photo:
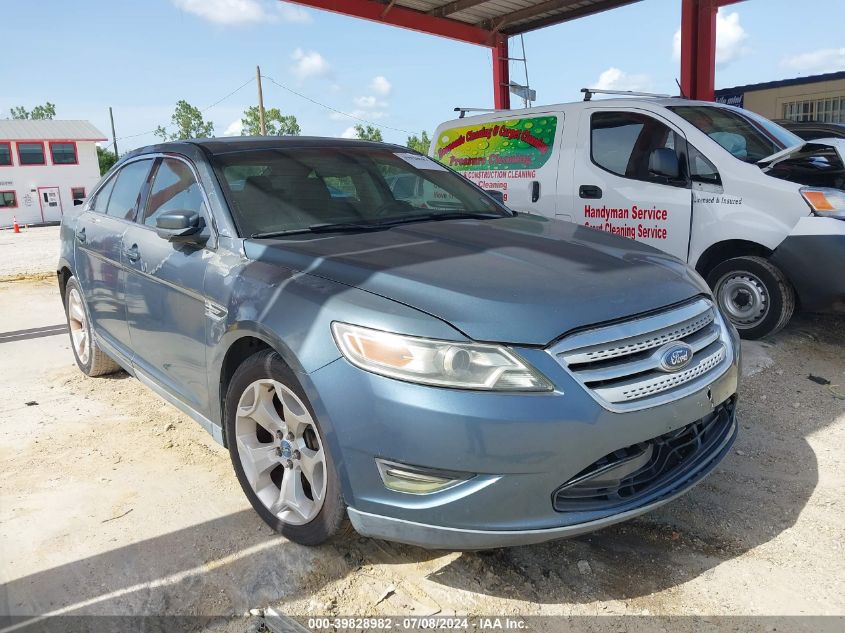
78, 202
180, 226
664, 162
496, 194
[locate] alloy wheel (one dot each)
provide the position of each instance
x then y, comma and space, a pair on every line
280, 451
78, 323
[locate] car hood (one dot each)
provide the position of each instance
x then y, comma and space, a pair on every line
837, 144
817, 163
524, 280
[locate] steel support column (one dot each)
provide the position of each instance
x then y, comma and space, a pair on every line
501, 74
698, 47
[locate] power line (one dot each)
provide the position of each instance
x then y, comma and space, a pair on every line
206, 109
328, 107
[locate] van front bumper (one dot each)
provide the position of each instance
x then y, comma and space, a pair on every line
811, 257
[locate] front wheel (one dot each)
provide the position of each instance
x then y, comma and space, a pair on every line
279, 454
754, 294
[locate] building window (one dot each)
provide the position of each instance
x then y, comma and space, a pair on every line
77, 193
8, 200
63, 153
831, 110
31, 154
5, 154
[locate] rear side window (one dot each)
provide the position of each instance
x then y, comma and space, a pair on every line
174, 189
622, 142
129, 183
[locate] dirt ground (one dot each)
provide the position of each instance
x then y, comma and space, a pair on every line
113, 502
31, 253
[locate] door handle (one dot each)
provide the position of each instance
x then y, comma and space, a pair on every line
589, 191
132, 253
535, 190
80, 235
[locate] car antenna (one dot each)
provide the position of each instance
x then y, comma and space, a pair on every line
680, 89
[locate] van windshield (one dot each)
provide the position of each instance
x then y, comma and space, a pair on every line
295, 190
745, 135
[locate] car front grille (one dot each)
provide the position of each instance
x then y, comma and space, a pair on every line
620, 364
655, 468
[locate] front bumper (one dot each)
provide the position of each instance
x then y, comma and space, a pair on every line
520, 448
811, 257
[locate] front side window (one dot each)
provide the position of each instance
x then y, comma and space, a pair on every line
745, 135
63, 153
301, 189
128, 186
622, 142
701, 169
5, 154
174, 188
8, 200
31, 154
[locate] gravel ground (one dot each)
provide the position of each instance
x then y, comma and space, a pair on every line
112, 502
32, 253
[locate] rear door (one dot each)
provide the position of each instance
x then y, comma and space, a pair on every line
99, 242
615, 191
514, 156
165, 303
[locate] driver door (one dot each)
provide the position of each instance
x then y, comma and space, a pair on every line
616, 189
165, 301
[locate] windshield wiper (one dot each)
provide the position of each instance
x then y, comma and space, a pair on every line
319, 228
451, 215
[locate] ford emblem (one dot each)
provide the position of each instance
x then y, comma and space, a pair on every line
674, 356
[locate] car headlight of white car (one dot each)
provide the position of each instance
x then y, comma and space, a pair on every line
438, 363
828, 203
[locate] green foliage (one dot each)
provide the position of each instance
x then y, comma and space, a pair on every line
106, 159
188, 121
277, 124
368, 133
46, 111
420, 143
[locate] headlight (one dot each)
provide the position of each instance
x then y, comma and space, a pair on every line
438, 363
828, 203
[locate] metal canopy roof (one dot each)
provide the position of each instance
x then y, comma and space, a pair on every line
511, 17
475, 21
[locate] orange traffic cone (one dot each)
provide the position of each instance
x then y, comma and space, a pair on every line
15, 224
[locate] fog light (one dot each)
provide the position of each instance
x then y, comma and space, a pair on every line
416, 480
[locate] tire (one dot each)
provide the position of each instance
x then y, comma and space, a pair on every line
754, 294
279, 455
91, 360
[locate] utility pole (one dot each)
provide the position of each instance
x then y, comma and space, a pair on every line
260, 102
113, 135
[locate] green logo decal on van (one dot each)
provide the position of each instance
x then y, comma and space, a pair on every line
514, 144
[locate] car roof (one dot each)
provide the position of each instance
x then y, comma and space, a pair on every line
229, 144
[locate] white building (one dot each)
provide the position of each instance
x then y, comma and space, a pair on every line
44, 166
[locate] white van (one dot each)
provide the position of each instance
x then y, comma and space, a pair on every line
757, 211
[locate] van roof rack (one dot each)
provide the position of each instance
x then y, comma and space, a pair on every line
463, 111
589, 92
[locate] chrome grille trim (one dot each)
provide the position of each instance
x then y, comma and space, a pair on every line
619, 364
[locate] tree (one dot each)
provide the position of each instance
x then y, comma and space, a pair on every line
368, 133
106, 159
420, 143
46, 111
277, 124
188, 121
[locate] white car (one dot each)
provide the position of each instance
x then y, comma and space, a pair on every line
757, 211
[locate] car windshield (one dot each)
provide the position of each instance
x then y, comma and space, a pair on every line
745, 135
293, 190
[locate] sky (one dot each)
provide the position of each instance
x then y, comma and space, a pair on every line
141, 57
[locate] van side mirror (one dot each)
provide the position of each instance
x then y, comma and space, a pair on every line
496, 194
181, 226
664, 162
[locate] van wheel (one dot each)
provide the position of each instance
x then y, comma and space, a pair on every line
754, 294
279, 452
90, 359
